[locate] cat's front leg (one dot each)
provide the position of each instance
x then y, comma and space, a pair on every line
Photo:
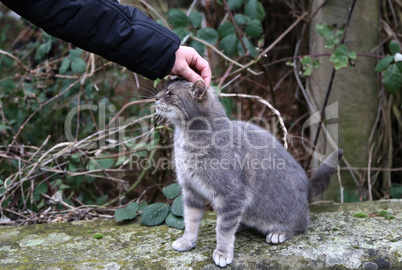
226, 227
193, 213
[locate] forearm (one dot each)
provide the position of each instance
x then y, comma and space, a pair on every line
119, 33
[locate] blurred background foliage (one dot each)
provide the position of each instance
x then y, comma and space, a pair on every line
78, 134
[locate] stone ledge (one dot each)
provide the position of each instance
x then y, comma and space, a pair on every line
335, 240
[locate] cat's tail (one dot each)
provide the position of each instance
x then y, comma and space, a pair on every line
320, 180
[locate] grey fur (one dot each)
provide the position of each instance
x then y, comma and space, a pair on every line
247, 175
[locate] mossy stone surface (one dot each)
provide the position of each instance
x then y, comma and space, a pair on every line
370, 243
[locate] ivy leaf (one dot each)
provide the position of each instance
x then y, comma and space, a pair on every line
254, 28
208, 34
384, 63
235, 4
198, 46
174, 221
178, 206
195, 18
171, 191
226, 29
394, 47
392, 79
340, 57
154, 214
177, 18
229, 44
241, 19
254, 9
352, 55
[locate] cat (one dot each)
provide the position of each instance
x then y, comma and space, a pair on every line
241, 169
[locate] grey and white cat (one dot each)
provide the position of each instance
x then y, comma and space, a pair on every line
240, 168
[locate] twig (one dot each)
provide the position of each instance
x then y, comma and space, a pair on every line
265, 102
273, 44
238, 32
148, 6
139, 179
15, 59
225, 57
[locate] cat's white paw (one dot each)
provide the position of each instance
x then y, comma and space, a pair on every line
222, 258
276, 238
182, 244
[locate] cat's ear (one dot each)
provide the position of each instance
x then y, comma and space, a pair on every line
199, 89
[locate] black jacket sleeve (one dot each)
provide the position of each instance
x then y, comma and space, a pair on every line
119, 33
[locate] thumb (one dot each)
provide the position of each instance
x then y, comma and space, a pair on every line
190, 75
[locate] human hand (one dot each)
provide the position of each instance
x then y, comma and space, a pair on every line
191, 66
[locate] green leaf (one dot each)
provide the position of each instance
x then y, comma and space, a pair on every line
78, 65
65, 64
331, 38
340, 57
142, 206
181, 32
7, 86
128, 213
171, 191
254, 9
41, 188
394, 47
306, 62
4, 127
316, 64
177, 18
104, 163
399, 66
229, 44
133, 206
226, 29
241, 19
174, 221
250, 47
195, 18
235, 4
75, 53
43, 50
384, 63
154, 214
396, 192
102, 199
208, 34
392, 79
198, 46
254, 28
178, 206
352, 55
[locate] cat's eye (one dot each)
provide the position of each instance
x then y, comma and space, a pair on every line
168, 93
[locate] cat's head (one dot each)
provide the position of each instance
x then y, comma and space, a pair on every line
181, 100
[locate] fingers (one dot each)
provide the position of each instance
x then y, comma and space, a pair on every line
191, 66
